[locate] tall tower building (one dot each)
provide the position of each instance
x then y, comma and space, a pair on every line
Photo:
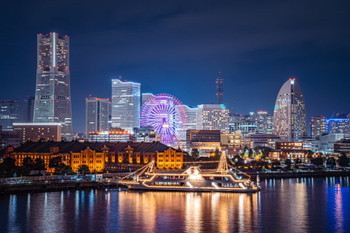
52, 93
289, 117
318, 126
219, 89
126, 98
28, 109
97, 115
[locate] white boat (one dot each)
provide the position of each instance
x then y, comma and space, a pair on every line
192, 179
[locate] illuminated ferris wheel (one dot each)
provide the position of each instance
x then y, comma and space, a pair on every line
166, 114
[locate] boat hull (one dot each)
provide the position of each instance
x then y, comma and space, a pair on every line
194, 189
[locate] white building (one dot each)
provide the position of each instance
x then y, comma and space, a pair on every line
212, 117
126, 97
325, 143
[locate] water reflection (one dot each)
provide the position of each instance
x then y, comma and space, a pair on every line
286, 205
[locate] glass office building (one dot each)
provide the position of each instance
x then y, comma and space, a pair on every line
52, 93
126, 98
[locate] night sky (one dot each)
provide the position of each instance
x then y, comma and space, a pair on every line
178, 47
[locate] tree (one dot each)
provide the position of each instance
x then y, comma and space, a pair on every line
330, 162
39, 164
309, 154
8, 167
317, 161
217, 153
343, 160
63, 169
83, 169
297, 161
195, 153
275, 164
28, 165
288, 162
55, 162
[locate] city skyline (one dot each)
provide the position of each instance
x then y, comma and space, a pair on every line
253, 66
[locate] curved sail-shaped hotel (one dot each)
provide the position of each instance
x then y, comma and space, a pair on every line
289, 118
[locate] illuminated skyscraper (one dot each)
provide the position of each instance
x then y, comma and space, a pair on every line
97, 115
52, 93
318, 126
213, 117
126, 98
219, 89
289, 118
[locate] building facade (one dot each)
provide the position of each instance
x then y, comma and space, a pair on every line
338, 125
97, 114
318, 126
212, 117
101, 156
342, 146
205, 141
28, 109
235, 143
10, 112
126, 105
289, 119
111, 135
38, 131
52, 93
220, 89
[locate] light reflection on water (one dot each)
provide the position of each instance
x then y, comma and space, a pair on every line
284, 205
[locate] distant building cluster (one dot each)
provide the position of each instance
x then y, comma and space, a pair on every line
130, 116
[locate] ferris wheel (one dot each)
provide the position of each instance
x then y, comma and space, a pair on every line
167, 115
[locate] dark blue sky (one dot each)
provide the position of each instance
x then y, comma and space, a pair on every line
178, 47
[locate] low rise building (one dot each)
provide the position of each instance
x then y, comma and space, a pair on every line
206, 141
342, 147
289, 145
266, 140
112, 135
38, 131
101, 156
235, 143
288, 154
325, 143
289, 150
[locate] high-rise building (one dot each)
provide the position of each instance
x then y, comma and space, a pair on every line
52, 93
191, 118
145, 97
212, 117
97, 115
289, 118
126, 104
338, 125
219, 89
28, 109
318, 126
10, 112
263, 121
